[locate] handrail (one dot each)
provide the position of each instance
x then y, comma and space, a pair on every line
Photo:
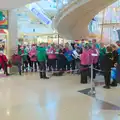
68, 6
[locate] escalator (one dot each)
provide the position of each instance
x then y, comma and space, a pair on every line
72, 19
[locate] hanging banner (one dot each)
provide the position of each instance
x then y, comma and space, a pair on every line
3, 19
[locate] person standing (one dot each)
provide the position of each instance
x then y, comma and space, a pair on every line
102, 51
24, 55
85, 62
118, 67
3, 62
42, 57
61, 60
106, 65
115, 60
33, 58
17, 61
52, 57
94, 59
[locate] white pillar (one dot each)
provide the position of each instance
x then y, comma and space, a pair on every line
12, 33
12, 37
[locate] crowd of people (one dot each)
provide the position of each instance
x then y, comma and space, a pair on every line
70, 58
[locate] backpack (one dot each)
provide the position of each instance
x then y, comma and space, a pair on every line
118, 59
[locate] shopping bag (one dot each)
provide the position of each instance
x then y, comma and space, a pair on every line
113, 73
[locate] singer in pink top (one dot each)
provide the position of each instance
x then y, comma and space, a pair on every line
52, 58
85, 62
33, 58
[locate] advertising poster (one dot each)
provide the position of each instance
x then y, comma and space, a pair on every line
3, 19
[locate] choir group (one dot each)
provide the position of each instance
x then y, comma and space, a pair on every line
70, 58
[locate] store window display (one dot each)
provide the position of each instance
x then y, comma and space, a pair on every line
106, 23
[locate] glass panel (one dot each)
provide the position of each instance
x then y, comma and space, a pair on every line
109, 21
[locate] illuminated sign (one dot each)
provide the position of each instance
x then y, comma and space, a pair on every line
37, 11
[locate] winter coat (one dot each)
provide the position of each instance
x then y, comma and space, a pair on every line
41, 54
107, 63
3, 60
33, 54
115, 56
23, 54
102, 53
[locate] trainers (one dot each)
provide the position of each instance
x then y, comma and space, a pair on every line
106, 87
46, 78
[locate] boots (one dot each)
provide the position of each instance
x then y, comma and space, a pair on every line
114, 83
44, 76
41, 75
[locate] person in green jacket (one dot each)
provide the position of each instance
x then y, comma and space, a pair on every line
23, 53
42, 57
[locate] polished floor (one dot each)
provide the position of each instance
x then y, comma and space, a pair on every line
28, 97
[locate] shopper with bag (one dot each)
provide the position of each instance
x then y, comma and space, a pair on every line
17, 61
106, 65
3, 63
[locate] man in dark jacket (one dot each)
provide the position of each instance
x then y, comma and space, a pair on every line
106, 65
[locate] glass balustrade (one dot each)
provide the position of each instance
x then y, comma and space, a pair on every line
62, 3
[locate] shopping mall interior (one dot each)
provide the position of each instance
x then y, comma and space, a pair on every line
54, 62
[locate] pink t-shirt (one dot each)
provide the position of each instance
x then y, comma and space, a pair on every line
51, 53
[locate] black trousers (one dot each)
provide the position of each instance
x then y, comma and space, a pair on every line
25, 66
5, 69
60, 65
118, 73
73, 64
34, 63
94, 71
29, 61
67, 65
84, 73
19, 67
42, 67
52, 64
107, 76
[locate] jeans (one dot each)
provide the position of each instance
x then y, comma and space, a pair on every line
34, 63
19, 68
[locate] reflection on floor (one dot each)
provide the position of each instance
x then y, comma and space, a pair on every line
30, 98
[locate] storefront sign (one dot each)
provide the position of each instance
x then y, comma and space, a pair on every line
3, 19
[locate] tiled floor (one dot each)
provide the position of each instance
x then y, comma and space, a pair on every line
30, 98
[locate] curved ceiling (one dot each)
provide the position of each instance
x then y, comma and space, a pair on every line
11, 4
72, 22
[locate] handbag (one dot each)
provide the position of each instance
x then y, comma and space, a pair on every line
0, 66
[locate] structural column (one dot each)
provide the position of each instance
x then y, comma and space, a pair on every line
12, 33
12, 36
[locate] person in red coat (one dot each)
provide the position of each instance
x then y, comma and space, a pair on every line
3, 62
